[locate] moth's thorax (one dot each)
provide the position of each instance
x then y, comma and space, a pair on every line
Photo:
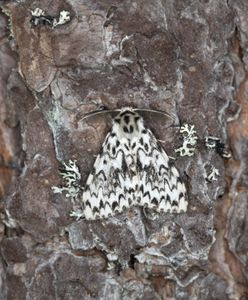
128, 124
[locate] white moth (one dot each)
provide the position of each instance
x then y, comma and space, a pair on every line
132, 169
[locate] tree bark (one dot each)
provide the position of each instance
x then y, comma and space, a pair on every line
186, 58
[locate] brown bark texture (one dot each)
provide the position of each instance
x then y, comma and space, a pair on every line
186, 58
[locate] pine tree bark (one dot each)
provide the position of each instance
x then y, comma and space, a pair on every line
186, 58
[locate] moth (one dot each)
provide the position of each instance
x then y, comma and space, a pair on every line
132, 169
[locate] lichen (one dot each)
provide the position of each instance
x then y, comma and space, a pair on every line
77, 213
213, 174
38, 13
9, 221
72, 177
210, 142
64, 17
214, 143
189, 140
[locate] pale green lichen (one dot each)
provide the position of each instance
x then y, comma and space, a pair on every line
214, 143
64, 16
77, 213
211, 141
9, 221
71, 176
213, 174
37, 12
189, 140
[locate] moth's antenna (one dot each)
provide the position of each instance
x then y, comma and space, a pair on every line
98, 112
154, 111
95, 113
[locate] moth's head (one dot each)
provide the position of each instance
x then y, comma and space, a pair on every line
128, 122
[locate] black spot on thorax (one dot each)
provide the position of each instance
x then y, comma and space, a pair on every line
125, 129
126, 119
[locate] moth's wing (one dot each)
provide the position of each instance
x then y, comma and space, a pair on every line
160, 186
109, 187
